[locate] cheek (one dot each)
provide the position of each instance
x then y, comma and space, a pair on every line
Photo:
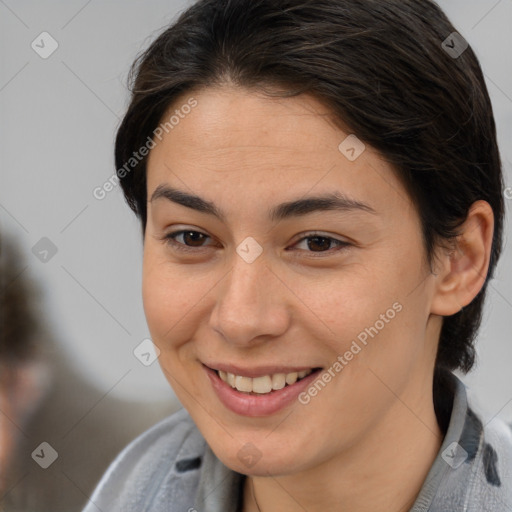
156, 298
173, 300
379, 323
163, 305
163, 310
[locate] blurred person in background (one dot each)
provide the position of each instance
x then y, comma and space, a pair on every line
24, 375
43, 399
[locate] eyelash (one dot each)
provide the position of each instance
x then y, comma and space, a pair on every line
169, 239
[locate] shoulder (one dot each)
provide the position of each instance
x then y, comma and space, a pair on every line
493, 452
488, 453
147, 471
497, 456
473, 469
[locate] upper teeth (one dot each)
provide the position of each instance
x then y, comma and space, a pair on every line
263, 384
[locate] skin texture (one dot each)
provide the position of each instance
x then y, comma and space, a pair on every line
367, 439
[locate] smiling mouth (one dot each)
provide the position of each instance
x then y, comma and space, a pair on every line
264, 384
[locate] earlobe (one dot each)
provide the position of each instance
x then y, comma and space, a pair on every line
464, 268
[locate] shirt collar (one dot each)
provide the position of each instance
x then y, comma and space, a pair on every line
220, 488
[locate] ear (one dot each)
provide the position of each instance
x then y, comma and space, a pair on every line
461, 272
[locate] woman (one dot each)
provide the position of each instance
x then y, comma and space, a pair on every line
320, 194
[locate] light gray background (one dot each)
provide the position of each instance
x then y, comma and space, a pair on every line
58, 120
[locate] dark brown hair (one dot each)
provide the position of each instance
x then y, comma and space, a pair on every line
380, 66
19, 322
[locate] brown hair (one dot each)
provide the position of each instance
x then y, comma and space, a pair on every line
380, 66
19, 323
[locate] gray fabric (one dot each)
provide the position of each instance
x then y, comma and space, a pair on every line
470, 486
170, 468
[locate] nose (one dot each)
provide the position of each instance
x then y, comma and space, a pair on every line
251, 304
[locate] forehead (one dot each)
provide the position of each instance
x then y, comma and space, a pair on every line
239, 144
236, 118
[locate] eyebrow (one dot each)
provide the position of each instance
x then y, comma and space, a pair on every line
303, 206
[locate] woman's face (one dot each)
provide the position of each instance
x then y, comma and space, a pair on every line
300, 256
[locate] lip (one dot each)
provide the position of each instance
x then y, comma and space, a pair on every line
259, 371
257, 405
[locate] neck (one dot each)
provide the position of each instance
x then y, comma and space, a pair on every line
384, 471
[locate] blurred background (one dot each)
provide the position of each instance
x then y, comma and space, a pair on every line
79, 389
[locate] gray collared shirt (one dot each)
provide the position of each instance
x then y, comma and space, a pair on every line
170, 468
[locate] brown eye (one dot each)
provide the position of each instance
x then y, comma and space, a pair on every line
317, 243
191, 239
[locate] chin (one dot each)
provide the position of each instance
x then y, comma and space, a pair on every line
249, 460
261, 468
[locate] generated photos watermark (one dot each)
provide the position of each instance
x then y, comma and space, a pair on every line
101, 192
355, 348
